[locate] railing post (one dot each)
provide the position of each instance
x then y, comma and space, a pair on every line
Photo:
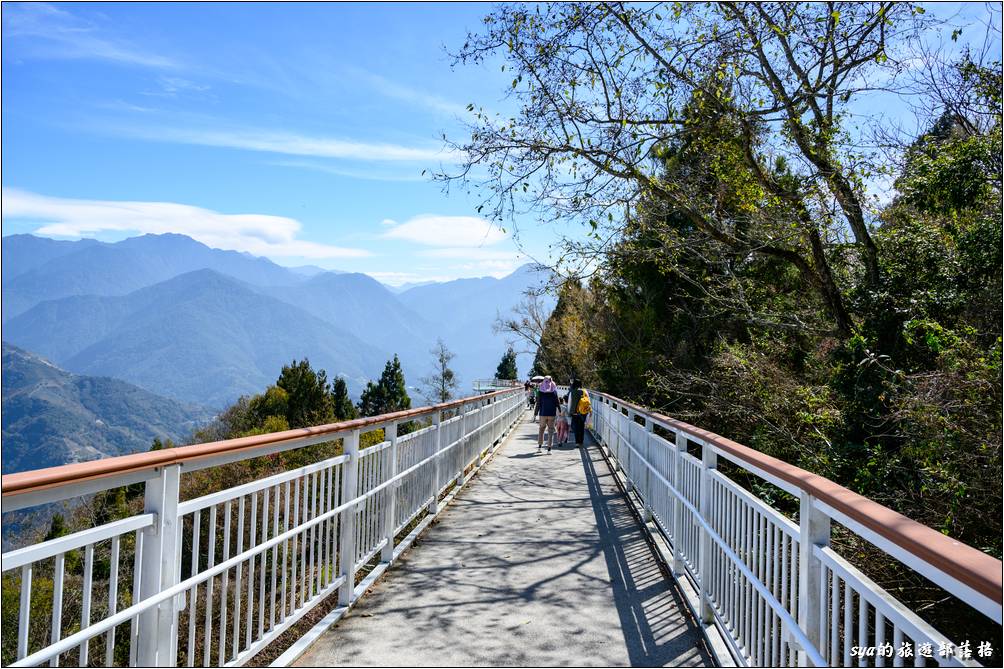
157, 635
495, 415
649, 431
462, 447
477, 441
813, 530
347, 538
709, 462
628, 453
680, 447
390, 509
437, 420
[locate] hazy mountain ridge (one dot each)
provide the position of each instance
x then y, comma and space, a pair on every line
210, 334
21, 253
473, 305
201, 337
95, 268
51, 417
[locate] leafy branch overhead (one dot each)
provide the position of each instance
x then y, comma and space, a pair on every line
732, 116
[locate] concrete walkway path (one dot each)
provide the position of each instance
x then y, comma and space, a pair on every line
538, 563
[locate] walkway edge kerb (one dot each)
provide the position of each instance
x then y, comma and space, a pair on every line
968, 565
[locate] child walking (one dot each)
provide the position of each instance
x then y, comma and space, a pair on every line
562, 422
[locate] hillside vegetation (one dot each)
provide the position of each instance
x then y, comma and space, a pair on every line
52, 417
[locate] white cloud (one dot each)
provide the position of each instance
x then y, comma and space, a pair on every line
171, 87
388, 221
398, 278
395, 90
44, 31
378, 174
258, 234
288, 143
447, 231
467, 253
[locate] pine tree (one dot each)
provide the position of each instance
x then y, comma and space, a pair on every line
386, 395
441, 384
507, 368
308, 395
341, 403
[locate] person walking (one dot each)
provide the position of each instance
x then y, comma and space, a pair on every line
536, 401
562, 422
579, 407
547, 406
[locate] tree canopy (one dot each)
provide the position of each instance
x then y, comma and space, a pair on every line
388, 394
507, 366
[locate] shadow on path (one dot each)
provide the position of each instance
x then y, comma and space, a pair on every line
538, 563
657, 630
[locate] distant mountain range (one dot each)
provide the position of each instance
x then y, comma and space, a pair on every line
52, 417
39, 272
202, 325
199, 337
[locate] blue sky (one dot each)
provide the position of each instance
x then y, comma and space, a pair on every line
295, 131
299, 132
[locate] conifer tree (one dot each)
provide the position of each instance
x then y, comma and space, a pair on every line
507, 368
388, 394
308, 394
341, 403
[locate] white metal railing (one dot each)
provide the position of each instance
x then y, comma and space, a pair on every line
775, 590
213, 580
488, 385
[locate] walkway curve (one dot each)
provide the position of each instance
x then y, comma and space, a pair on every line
538, 563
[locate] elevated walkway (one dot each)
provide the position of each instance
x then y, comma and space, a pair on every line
539, 562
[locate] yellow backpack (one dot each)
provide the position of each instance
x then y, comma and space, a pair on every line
584, 406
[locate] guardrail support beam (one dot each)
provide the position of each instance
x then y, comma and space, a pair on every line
437, 420
347, 537
463, 444
813, 530
649, 431
709, 462
678, 451
390, 509
631, 429
160, 568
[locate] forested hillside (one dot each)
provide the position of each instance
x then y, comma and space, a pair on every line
52, 417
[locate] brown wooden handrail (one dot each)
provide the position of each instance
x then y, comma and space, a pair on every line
54, 477
970, 566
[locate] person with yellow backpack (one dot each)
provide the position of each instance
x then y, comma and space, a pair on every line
579, 406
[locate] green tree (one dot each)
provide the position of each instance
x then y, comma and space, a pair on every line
566, 347
388, 394
274, 402
507, 367
441, 385
57, 528
341, 403
309, 400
